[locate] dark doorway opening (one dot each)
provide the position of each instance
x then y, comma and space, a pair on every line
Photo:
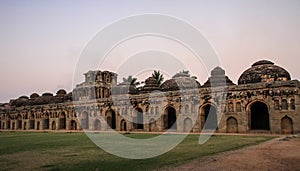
170, 120
140, 118
210, 118
259, 116
111, 119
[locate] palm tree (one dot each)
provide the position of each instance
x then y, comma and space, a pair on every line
158, 77
131, 80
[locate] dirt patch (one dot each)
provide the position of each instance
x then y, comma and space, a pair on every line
28, 160
277, 154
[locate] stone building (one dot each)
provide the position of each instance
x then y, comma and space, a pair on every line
265, 100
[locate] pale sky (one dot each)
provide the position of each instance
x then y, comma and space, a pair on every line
41, 41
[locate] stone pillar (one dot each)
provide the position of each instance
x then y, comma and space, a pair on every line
68, 123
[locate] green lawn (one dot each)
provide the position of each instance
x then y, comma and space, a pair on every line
75, 151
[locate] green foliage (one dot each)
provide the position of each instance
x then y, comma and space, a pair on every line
158, 77
75, 151
131, 80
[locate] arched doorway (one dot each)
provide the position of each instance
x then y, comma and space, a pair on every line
97, 125
31, 121
170, 118
111, 119
25, 125
123, 125
259, 119
53, 125
46, 121
152, 125
187, 125
140, 118
286, 125
19, 122
231, 125
62, 121
84, 120
209, 117
8, 124
73, 125
38, 126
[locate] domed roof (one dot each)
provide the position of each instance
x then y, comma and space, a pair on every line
61, 92
180, 81
151, 81
150, 85
34, 96
264, 71
47, 94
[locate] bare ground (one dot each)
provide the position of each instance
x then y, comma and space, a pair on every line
277, 154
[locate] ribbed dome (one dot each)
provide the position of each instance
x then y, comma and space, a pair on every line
150, 85
264, 71
34, 96
61, 92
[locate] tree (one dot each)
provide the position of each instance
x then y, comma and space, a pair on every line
131, 80
158, 77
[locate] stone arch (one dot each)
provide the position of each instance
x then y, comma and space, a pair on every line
139, 118
286, 125
156, 110
231, 125
230, 107
84, 122
238, 107
292, 104
284, 104
13, 125
170, 118
209, 117
123, 125
152, 125
259, 116
25, 126
8, 123
73, 125
186, 109
19, 122
38, 125
97, 125
53, 125
62, 120
276, 104
111, 118
187, 125
46, 121
31, 121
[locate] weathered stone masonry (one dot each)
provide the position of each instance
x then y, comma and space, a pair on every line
265, 100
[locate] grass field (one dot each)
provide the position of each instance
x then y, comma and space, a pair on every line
75, 151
